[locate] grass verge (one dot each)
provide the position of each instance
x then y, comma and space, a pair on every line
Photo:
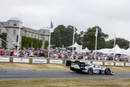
119, 69
21, 66
66, 83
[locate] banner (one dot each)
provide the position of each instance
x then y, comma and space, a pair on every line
39, 60
119, 64
56, 61
21, 60
109, 63
127, 64
98, 63
2, 59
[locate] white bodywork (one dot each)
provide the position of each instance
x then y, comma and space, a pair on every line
97, 69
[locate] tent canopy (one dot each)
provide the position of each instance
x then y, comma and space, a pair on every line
128, 52
79, 48
74, 45
85, 50
105, 50
116, 50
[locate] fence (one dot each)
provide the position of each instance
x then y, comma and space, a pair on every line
56, 61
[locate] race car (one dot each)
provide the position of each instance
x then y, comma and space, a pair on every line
83, 67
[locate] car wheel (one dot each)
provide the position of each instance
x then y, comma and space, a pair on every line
100, 71
107, 71
71, 68
90, 71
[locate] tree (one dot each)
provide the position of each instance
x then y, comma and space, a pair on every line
3, 36
46, 44
89, 38
56, 37
79, 37
28, 42
62, 36
120, 41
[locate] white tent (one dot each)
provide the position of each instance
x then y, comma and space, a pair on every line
85, 50
74, 45
105, 50
79, 49
118, 50
128, 52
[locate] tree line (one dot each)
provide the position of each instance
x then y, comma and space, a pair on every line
29, 42
63, 35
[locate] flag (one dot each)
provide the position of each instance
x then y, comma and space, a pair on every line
51, 25
96, 33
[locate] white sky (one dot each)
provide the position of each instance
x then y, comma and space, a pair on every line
113, 16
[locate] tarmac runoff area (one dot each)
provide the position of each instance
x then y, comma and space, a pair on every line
30, 74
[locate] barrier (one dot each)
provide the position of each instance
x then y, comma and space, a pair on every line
39, 60
109, 63
98, 63
119, 64
21, 60
56, 61
127, 64
4, 59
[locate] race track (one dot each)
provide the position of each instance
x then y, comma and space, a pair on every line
28, 74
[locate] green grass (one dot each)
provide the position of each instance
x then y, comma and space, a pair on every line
51, 67
66, 83
21, 66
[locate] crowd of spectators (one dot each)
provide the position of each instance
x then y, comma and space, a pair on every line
60, 53
24, 52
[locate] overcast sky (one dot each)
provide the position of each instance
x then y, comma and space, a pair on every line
113, 16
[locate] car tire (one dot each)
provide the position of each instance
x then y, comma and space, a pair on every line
78, 71
100, 71
107, 71
72, 69
90, 71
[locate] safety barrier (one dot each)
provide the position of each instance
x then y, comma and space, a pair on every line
57, 61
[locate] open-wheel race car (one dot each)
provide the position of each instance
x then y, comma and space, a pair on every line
83, 67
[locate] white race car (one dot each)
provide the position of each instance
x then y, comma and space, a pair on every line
82, 67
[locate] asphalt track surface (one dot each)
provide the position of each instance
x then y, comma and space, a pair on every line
30, 74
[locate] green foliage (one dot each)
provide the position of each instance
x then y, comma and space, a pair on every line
46, 44
120, 41
79, 38
3, 36
62, 36
89, 38
28, 42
